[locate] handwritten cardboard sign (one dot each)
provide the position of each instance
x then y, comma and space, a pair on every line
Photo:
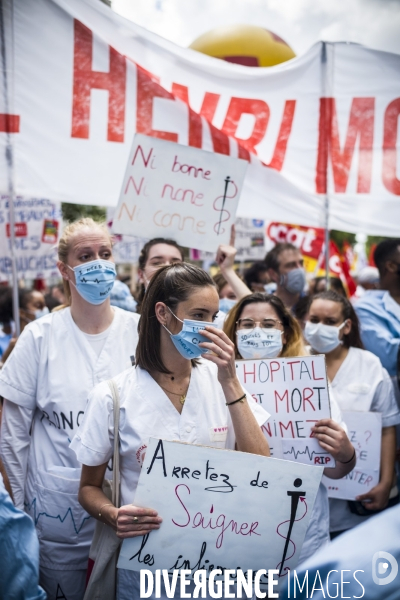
221, 509
295, 393
179, 192
365, 433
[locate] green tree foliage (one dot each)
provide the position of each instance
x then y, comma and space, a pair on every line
72, 212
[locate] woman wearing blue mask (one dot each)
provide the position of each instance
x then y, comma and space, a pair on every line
360, 383
56, 361
183, 387
261, 326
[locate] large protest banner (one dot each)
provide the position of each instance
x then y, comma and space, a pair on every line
220, 509
170, 190
365, 433
38, 223
86, 79
295, 393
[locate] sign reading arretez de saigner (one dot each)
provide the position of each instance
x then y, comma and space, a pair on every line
221, 510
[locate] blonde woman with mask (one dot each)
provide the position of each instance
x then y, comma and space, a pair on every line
45, 382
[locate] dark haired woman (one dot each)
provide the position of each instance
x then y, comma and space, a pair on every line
156, 253
175, 391
31, 306
261, 326
360, 383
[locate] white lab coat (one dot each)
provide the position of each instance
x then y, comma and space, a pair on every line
146, 411
47, 380
361, 384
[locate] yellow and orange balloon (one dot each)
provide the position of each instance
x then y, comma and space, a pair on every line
248, 45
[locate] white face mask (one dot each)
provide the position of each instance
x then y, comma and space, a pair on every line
323, 338
258, 343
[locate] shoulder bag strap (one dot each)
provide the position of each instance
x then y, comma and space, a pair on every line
115, 480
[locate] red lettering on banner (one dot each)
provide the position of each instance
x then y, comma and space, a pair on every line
283, 137
208, 107
85, 79
247, 106
390, 129
148, 88
361, 125
195, 125
9, 123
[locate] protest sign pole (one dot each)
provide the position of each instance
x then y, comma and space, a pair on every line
8, 92
327, 122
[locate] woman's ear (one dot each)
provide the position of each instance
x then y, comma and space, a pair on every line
347, 328
62, 267
162, 313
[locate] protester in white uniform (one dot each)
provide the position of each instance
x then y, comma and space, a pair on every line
360, 383
45, 382
264, 318
171, 393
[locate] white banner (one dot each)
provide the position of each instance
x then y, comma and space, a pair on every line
365, 433
295, 393
38, 223
87, 79
231, 509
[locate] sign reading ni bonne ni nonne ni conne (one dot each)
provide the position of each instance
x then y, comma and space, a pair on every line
221, 510
294, 390
179, 192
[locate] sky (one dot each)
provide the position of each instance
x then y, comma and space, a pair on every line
301, 23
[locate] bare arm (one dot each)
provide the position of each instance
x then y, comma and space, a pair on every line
96, 503
333, 438
14, 447
378, 497
226, 259
249, 437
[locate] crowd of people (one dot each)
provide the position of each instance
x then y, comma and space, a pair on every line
171, 351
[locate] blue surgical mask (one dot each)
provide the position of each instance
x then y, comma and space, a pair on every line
294, 281
323, 338
225, 304
188, 339
270, 288
41, 313
94, 280
259, 343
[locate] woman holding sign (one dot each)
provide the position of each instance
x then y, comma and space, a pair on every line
56, 361
183, 387
360, 384
261, 327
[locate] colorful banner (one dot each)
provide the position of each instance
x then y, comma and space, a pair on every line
87, 79
311, 243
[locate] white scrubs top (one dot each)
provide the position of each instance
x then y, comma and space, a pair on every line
146, 411
47, 380
361, 384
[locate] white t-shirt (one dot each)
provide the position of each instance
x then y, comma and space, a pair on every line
48, 378
97, 340
361, 384
146, 411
